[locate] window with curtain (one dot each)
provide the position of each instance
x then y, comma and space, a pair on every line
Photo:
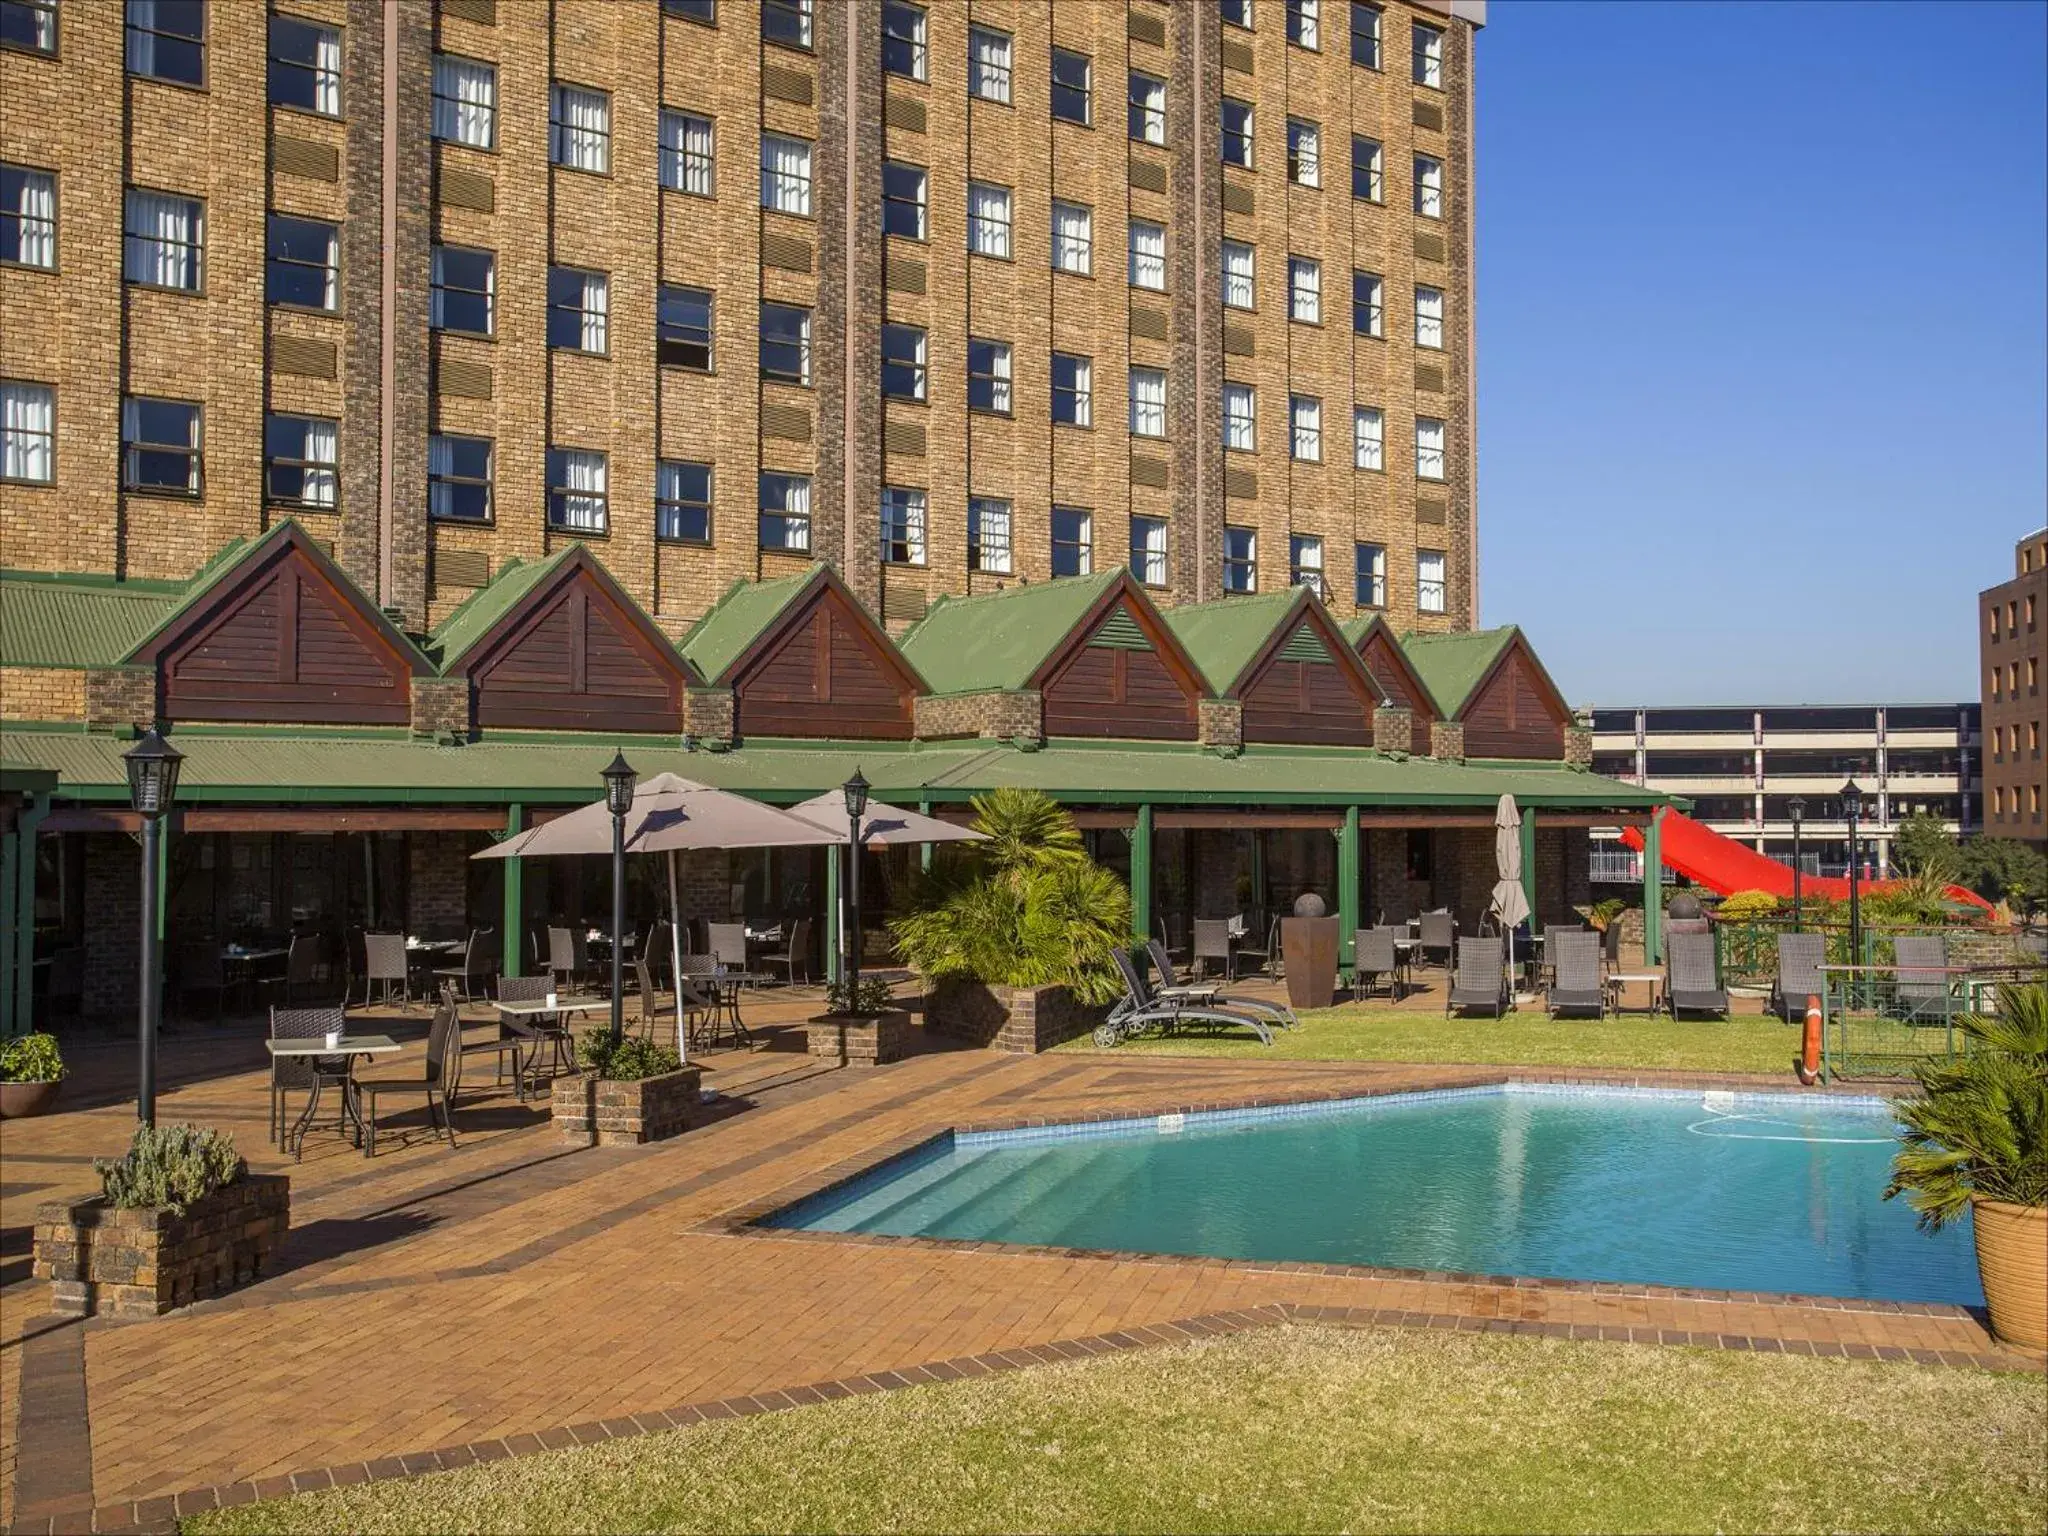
1368, 437
988, 219
1071, 387
988, 376
1304, 153
1429, 318
465, 101
1239, 287
903, 200
1240, 559
1237, 12
1073, 238
1148, 550
786, 343
902, 526
1237, 133
1428, 56
165, 240
577, 500
785, 517
689, 161
1305, 289
1073, 541
28, 432
161, 447
1368, 169
28, 217
459, 478
300, 455
577, 302
579, 128
988, 64
1148, 402
682, 502
167, 40
302, 263
1305, 418
988, 535
1369, 584
903, 364
903, 40
1365, 35
1367, 311
1148, 255
462, 296
682, 327
1429, 187
305, 66
1305, 563
1305, 23
1240, 418
1148, 109
787, 22
30, 25
1429, 448
786, 174
1073, 87
1429, 580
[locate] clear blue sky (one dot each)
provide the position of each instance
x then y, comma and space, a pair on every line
1763, 345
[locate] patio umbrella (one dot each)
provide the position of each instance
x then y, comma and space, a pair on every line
1510, 901
883, 824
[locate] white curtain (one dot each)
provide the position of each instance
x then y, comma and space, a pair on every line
1429, 317
999, 366
596, 292
1429, 449
583, 129
1429, 187
1308, 154
1309, 29
327, 72
582, 508
465, 101
331, 294
440, 465
141, 37
1084, 392
1240, 418
1238, 260
1308, 562
796, 513
903, 525
1429, 580
1366, 317
1308, 428
785, 174
28, 415
1148, 403
1366, 156
1372, 576
1072, 238
1148, 256
320, 485
165, 237
992, 536
37, 219
1148, 550
1305, 278
686, 158
988, 220
1369, 429
991, 64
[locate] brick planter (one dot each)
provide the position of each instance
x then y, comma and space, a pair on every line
145, 1261
861, 1042
593, 1112
1020, 1020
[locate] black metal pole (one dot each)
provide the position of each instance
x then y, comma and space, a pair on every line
151, 1000
619, 929
1795, 877
1855, 902
853, 907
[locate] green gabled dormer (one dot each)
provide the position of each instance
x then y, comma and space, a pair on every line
1376, 645
1490, 682
1286, 663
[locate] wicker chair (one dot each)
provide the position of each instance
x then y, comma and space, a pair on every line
1374, 956
543, 1034
796, 954
1437, 932
438, 1082
289, 1072
471, 977
385, 961
1212, 942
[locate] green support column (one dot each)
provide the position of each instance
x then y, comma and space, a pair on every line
924, 850
1141, 875
833, 946
1529, 868
512, 930
13, 1018
1653, 892
1347, 892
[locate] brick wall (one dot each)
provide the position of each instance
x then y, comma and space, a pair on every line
708, 713
41, 693
437, 882
113, 932
1578, 746
994, 716
1393, 729
1017, 1020
440, 704
1220, 723
1388, 861
1447, 740
118, 696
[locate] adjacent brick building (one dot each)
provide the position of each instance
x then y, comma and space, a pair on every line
2009, 629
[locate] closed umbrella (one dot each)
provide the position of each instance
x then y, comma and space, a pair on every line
1510, 901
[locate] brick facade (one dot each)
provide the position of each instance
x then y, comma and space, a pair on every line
993, 716
708, 714
1017, 1020
1393, 729
1447, 740
437, 882
1220, 723
113, 938
41, 693
120, 696
1578, 746
440, 704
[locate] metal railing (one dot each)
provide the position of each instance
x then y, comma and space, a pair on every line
1880, 1021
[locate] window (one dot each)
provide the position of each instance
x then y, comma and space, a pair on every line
1239, 289
1304, 23
28, 433
1148, 550
577, 301
787, 22
988, 376
705, 11
1429, 56
988, 220
682, 502
166, 237
1429, 187
682, 328
1237, 133
465, 101
1429, 448
459, 478
1365, 34
1148, 255
988, 535
1368, 437
1073, 238
1240, 418
1305, 419
786, 343
30, 25
577, 501
903, 40
903, 200
1305, 290
462, 294
1148, 109
1237, 12
1148, 402
1070, 390
580, 128
1368, 170
1368, 317
903, 362
1073, 541
1429, 580
689, 161
1240, 559
902, 526
28, 217
988, 64
1429, 318
1369, 588
302, 263
1304, 153
305, 66
299, 458
785, 512
1305, 563
167, 40
786, 174
1073, 87
160, 447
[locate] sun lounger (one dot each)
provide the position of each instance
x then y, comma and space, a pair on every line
1690, 986
1575, 956
1481, 978
1141, 1009
1167, 989
1923, 991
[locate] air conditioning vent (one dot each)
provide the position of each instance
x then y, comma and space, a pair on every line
1237, 55
303, 355
1149, 322
791, 423
903, 439
1238, 199
902, 602
1146, 28
459, 376
1148, 471
1431, 511
902, 274
1429, 246
461, 567
905, 112
305, 157
467, 189
1241, 483
785, 251
1148, 175
1237, 340
1429, 115
1431, 379
483, 12
784, 84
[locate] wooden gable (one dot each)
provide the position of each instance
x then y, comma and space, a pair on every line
1515, 711
1307, 686
1382, 656
823, 669
576, 654
281, 636
1120, 672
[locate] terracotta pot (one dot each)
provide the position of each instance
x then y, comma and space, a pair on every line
2012, 1259
18, 1101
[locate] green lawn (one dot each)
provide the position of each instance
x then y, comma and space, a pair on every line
1297, 1429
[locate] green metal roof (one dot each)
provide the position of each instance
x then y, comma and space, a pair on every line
996, 640
476, 615
1451, 666
1224, 635
737, 620
78, 621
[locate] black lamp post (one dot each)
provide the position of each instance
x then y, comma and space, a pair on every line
1852, 812
153, 765
619, 779
856, 791
1796, 809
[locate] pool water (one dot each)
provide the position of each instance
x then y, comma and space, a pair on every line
1756, 1192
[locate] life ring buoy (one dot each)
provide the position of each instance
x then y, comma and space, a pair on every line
1809, 1045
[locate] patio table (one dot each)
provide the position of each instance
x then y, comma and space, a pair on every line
726, 986
348, 1048
555, 1033
1654, 980
239, 965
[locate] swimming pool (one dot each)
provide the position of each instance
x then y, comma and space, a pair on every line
1750, 1192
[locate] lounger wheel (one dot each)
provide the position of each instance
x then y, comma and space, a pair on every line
1107, 1035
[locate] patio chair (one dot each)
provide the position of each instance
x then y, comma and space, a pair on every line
1167, 989
650, 997
1373, 957
697, 998
1140, 1009
1574, 956
1690, 985
727, 944
1610, 948
471, 977
1267, 958
386, 961
541, 1034
1212, 942
1481, 977
568, 957
1436, 937
795, 955
303, 961
437, 1082
1923, 990
289, 1072
64, 992
1800, 957
201, 969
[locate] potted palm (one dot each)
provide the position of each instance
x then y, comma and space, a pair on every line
31, 1071
1976, 1140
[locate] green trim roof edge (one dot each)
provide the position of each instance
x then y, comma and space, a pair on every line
743, 612
477, 614
954, 654
1224, 635
1452, 665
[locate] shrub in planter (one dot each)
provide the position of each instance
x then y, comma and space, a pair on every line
1746, 906
627, 1094
859, 1025
31, 1067
630, 1061
172, 1166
